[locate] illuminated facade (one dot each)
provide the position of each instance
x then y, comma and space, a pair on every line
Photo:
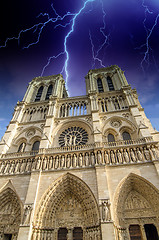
79, 168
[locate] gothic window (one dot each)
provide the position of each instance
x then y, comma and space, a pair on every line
135, 232
110, 84
77, 233
62, 234
21, 147
100, 85
35, 146
49, 91
126, 136
39, 93
111, 138
73, 136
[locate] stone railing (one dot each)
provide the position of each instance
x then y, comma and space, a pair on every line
112, 103
80, 159
73, 107
77, 148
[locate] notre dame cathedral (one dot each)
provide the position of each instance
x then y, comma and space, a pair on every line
80, 168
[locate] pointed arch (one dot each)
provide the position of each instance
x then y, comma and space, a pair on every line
141, 189
10, 210
73, 187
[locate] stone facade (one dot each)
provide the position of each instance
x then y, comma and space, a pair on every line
83, 167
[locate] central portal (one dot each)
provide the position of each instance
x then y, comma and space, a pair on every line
70, 234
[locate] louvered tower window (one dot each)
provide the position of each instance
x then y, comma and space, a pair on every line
39, 93
110, 84
49, 92
100, 85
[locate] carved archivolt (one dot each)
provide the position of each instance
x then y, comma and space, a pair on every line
135, 198
10, 212
68, 202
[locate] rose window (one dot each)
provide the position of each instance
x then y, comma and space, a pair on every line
73, 136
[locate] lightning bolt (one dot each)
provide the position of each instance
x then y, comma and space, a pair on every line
149, 31
105, 43
58, 21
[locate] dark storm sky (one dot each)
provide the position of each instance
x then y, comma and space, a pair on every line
125, 33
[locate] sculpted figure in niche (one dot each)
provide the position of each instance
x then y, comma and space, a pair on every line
23, 166
68, 162
62, 161
44, 163
133, 158
13, 166
7, 167
38, 163
28, 165
106, 157
27, 215
106, 211
80, 160
74, 160
112, 157
120, 160
147, 154
99, 157
2, 167
139, 155
86, 159
155, 155
56, 162
92, 159
126, 156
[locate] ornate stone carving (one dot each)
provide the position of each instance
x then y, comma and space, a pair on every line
73, 136
115, 123
30, 133
27, 214
105, 210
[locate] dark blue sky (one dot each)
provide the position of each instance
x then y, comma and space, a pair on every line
105, 32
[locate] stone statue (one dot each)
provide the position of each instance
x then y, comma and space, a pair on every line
56, 162
27, 215
92, 159
62, 161
126, 156
38, 164
80, 160
99, 157
106, 157
106, 211
68, 161
147, 154
132, 155
74, 160
112, 157
86, 159
139, 155
23, 165
120, 160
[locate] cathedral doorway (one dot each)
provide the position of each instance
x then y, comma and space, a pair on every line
70, 209
137, 209
10, 214
151, 232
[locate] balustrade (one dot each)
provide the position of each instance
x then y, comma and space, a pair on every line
73, 108
112, 103
80, 159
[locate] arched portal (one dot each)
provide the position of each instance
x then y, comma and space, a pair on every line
135, 206
70, 205
10, 214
